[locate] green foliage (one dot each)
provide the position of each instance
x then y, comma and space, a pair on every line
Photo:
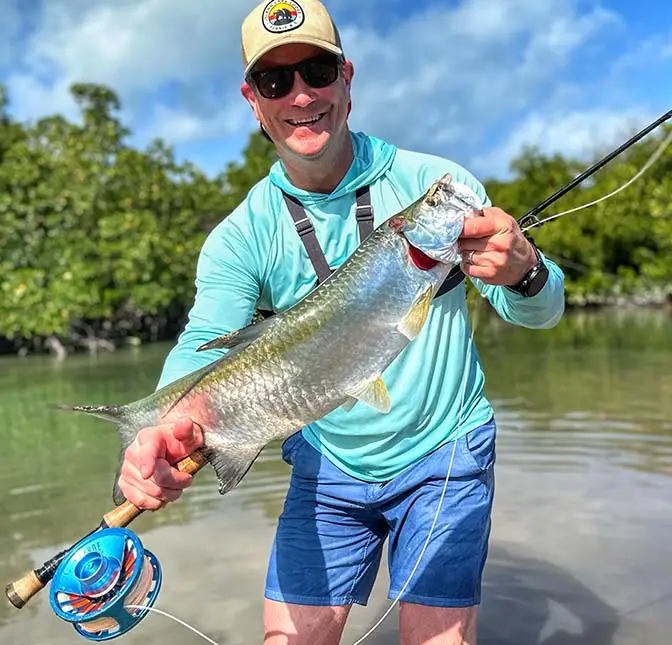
618, 249
96, 238
99, 240
258, 157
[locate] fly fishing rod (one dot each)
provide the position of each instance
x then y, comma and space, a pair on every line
531, 219
99, 579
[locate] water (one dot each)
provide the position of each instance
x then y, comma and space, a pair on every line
580, 550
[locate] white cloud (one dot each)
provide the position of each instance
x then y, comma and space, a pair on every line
446, 75
182, 126
651, 51
440, 79
32, 99
575, 134
136, 47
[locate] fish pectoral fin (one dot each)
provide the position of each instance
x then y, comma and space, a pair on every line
230, 464
372, 393
243, 336
412, 323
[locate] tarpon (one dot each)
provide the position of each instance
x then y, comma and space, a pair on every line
328, 350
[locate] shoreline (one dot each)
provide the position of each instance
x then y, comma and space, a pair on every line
61, 348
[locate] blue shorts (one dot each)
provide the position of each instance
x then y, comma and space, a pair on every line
330, 535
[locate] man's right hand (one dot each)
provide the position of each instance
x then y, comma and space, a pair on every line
148, 478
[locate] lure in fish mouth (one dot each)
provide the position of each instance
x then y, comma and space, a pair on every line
434, 222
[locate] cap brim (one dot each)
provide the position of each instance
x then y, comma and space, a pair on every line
305, 40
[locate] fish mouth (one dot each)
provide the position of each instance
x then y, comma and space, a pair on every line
434, 223
417, 256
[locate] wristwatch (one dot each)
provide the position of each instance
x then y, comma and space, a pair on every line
534, 280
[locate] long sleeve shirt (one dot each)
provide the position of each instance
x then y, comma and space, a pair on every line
254, 258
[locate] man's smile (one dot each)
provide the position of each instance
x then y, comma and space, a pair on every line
307, 121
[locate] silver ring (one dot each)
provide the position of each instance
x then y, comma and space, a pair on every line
470, 257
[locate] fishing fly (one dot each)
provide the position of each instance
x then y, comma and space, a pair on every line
107, 582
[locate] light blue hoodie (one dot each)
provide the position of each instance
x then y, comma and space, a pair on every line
255, 256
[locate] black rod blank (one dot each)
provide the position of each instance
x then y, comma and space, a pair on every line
531, 217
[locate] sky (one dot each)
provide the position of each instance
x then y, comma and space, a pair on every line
470, 80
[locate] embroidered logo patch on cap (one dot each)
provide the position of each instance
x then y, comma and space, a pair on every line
282, 16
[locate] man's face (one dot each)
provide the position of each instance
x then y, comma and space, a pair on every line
285, 118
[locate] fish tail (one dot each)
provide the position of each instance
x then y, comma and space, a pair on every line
127, 431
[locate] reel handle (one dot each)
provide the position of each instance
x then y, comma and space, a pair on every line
22, 590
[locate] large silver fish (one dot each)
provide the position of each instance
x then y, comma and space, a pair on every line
328, 350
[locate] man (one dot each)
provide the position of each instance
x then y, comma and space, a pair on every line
356, 481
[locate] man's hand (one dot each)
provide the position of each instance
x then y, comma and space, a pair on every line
148, 478
494, 249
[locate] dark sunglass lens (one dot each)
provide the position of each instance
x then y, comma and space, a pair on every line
274, 83
321, 72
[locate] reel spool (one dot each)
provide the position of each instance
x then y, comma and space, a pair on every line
100, 577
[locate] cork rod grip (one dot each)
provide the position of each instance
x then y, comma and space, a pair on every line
125, 513
22, 590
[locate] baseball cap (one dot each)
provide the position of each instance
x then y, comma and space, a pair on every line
275, 23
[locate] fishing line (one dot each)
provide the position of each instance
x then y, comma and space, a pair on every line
438, 510
647, 282
654, 157
422, 552
145, 582
645, 606
417, 563
177, 620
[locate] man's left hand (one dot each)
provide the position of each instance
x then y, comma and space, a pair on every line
494, 249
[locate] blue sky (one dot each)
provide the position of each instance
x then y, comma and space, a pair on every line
473, 80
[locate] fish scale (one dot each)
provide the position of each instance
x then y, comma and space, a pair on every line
328, 350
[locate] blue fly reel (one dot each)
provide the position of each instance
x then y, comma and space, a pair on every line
98, 580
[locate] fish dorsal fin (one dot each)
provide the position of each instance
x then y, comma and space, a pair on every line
413, 322
373, 393
244, 335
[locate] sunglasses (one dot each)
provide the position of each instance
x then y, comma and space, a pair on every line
276, 82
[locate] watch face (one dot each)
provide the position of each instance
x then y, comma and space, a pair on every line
538, 281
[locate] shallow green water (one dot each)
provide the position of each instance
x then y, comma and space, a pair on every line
580, 548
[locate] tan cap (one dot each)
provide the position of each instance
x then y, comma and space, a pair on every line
275, 23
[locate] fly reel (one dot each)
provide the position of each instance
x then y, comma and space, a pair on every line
100, 581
